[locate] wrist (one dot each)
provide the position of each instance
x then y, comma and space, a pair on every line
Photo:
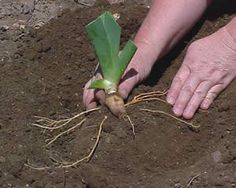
231, 29
145, 57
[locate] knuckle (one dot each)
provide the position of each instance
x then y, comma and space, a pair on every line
189, 59
211, 95
188, 89
222, 73
200, 93
218, 76
178, 80
194, 46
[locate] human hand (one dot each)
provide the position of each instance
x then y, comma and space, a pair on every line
135, 73
208, 68
164, 25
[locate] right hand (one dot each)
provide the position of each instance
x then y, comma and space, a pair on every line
134, 74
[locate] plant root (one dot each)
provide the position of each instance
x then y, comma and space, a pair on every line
89, 156
50, 124
72, 164
192, 180
36, 168
131, 123
116, 105
149, 96
64, 132
191, 126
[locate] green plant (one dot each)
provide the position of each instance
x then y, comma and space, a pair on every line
105, 33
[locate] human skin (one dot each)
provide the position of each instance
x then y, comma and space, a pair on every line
209, 65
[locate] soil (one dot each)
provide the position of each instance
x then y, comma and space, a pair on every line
43, 71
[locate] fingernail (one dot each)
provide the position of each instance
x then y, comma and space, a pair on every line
170, 100
187, 115
177, 112
123, 93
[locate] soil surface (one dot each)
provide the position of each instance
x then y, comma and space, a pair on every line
43, 71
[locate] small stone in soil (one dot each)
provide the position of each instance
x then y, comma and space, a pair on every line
217, 156
2, 159
4, 28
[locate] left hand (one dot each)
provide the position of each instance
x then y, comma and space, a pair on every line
208, 68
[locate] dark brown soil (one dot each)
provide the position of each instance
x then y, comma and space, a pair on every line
46, 78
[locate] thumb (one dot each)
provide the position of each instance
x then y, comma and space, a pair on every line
127, 85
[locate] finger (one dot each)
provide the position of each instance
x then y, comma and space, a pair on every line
186, 94
214, 92
91, 105
197, 98
177, 84
129, 80
88, 97
100, 96
127, 85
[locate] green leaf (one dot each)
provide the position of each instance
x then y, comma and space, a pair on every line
124, 58
100, 84
104, 32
